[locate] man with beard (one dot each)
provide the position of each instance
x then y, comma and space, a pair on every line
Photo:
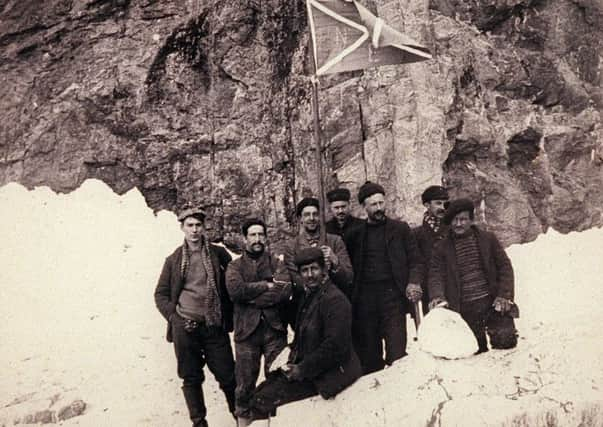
342, 221
336, 256
471, 274
192, 297
431, 231
322, 359
387, 265
258, 284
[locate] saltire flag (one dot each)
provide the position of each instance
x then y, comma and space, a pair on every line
347, 36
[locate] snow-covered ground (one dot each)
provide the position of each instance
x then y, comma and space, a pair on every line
79, 322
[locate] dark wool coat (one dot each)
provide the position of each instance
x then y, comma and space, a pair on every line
170, 283
323, 341
444, 280
247, 284
332, 226
404, 255
426, 239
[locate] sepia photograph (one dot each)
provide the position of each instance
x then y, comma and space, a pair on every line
301, 213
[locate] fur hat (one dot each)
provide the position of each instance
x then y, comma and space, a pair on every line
457, 206
338, 194
305, 202
309, 255
434, 192
249, 222
368, 189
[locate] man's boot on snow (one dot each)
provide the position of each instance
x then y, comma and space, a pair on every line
193, 395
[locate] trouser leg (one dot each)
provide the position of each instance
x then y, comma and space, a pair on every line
392, 324
365, 333
277, 391
189, 356
247, 368
220, 361
475, 314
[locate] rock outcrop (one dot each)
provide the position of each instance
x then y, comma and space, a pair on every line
210, 102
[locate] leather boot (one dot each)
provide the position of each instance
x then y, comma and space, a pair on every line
193, 395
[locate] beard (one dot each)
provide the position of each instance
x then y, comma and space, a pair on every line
378, 216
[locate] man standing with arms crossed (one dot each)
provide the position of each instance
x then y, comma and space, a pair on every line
387, 265
258, 284
191, 295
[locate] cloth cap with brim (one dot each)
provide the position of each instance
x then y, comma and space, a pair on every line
457, 206
305, 202
435, 192
338, 195
368, 189
191, 212
307, 256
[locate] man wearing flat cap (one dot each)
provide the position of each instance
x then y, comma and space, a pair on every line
387, 264
336, 256
342, 221
191, 294
322, 359
259, 285
432, 230
471, 274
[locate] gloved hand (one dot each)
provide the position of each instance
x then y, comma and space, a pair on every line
414, 292
292, 372
437, 302
502, 305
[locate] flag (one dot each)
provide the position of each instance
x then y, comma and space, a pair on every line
347, 36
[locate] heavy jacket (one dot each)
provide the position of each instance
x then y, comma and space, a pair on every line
323, 341
247, 284
170, 283
426, 239
342, 277
332, 226
444, 280
404, 256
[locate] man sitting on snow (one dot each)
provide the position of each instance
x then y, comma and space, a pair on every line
471, 274
192, 296
322, 359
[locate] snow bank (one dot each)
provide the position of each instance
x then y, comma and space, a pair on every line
79, 322
553, 377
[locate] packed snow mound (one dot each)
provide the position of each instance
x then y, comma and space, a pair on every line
441, 322
80, 330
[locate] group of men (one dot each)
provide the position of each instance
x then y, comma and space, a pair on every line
345, 291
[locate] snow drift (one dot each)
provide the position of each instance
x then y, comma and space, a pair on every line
79, 323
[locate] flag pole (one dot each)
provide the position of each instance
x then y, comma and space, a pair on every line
317, 134
318, 149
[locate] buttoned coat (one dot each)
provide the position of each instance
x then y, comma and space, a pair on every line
444, 279
247, 283
404, 256
171, 282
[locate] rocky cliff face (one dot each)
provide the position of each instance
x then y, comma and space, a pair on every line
210, 102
